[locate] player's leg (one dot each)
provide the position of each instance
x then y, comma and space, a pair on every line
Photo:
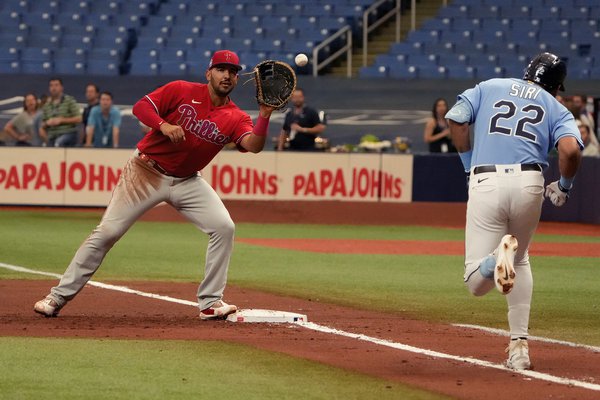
526, 209
526, 206
486, 225
198, 202
139, 189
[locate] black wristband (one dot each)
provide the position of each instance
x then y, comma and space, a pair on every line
562, 189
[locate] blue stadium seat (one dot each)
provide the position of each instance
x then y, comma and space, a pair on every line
36, 67
403, 71
10, 67
76, 54
10, 54
488, 72
36, 54
69, 67
173, 68
376, 71
103, 67
460, 72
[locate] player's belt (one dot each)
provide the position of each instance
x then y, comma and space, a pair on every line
152, 163
492, 168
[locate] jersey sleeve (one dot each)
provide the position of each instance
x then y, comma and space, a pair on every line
163, 98
565, 126
472, 98
243, 128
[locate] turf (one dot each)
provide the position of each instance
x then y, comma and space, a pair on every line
118, 369
566, 296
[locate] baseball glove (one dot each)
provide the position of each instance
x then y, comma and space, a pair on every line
275, 83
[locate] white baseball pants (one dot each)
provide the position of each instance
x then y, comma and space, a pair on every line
140, 188
508, 201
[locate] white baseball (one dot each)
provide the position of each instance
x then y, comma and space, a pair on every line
301, 60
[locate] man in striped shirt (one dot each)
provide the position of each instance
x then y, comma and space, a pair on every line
61, 115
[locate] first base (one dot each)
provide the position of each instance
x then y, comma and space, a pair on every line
257, 315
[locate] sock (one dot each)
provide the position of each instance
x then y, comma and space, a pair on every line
486, 268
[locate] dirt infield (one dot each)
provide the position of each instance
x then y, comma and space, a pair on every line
100, 313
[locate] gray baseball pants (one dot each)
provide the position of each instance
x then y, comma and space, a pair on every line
140, 188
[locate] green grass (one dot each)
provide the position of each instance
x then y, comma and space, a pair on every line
119, 369
566, 295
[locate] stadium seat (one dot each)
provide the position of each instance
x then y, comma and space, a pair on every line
103, 67
69, 67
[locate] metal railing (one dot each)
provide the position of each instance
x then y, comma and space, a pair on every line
347, 48
394, 12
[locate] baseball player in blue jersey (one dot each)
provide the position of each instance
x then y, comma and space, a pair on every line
516, 123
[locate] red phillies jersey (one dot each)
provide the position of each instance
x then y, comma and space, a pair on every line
207, 128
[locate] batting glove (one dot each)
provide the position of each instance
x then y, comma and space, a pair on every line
557, 194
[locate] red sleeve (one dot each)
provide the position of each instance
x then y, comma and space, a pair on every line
146, 113
244, 127
151, 108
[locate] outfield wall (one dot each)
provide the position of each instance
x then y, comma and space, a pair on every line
87, 177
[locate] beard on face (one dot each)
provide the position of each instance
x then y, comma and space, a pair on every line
219, 91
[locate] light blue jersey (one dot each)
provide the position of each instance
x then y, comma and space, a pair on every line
516, 122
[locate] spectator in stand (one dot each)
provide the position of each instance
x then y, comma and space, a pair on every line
580, 111
592, 148
437, 132
61, 116
301, 126
92, 96
20, 128
37, 120
104, 123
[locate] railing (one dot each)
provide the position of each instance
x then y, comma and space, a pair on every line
395, 12
347, 48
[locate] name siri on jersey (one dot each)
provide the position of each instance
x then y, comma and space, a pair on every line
525, 91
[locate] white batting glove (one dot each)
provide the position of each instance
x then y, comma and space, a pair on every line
557, 194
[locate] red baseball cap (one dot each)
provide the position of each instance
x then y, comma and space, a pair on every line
225, 57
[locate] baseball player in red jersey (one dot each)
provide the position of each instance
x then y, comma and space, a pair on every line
191, 122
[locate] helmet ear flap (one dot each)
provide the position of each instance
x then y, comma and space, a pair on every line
548, 71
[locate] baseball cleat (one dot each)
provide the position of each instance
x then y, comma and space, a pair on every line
48, 307
219, 310
504, 272
518, 354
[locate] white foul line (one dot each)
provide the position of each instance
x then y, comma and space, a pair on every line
501, 332
358, 336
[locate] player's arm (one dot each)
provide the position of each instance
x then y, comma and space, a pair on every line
569, 156
459, 117
255, 141
146, 112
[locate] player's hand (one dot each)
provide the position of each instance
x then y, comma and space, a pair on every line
173, 132
557, 194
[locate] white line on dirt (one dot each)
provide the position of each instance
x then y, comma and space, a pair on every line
501, 332
333, 331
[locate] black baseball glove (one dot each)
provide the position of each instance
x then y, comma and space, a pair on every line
275, 83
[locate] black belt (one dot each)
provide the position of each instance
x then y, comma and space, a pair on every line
152, 163
492, 168
156, 166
